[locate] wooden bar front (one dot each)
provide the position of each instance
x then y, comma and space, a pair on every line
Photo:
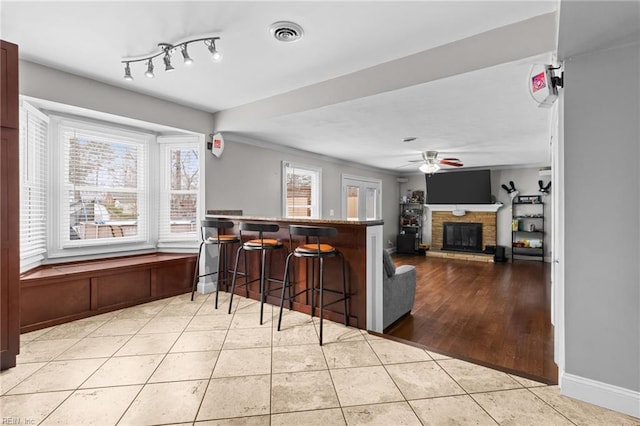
350, 241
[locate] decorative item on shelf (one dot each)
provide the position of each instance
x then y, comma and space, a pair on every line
515, 223
533, 199
511, 189
167, 49
418, 197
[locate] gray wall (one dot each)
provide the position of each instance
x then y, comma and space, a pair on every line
602, 211
247, 177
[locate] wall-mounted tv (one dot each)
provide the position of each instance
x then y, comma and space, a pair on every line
459, 187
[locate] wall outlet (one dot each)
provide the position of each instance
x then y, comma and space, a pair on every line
331, 212
390, 243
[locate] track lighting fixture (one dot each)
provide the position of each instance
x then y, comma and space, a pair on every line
149, 72
167, 50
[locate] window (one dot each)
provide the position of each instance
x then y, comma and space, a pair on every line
103, 185
361, 198
301, 190
180, 176
33, 185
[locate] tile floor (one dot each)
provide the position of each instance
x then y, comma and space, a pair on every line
174, 361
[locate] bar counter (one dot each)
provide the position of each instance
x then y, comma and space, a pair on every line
361, 244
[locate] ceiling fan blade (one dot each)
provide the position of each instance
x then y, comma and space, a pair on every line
451, 163
416, 161
457, 160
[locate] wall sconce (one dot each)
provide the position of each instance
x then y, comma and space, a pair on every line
167, 49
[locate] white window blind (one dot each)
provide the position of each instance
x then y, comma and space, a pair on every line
103, 186
33, 184
301, 190
179, 196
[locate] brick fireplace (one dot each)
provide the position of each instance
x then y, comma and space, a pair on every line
488, 220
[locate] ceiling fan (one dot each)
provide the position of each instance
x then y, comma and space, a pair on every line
431, 162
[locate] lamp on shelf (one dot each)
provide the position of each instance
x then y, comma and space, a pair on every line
167, 49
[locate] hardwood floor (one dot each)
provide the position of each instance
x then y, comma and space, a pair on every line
497, 315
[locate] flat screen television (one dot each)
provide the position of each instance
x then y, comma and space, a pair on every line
460, 187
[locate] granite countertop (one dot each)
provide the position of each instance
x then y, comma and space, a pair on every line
300, 220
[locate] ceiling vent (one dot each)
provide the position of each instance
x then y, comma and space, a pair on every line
286, 31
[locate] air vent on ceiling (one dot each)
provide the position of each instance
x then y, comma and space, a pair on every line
286, 31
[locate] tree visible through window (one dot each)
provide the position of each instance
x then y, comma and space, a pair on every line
103, 184
301, 188
185, 181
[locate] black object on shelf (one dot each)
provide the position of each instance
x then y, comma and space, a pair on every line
499, 257
410, 228
406, 243
527, 227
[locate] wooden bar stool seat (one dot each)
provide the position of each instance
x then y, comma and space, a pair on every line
211, 233
263, 245
320, 251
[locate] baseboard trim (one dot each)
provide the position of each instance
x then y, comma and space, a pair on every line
605, 395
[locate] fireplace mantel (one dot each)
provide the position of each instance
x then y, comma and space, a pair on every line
491, 208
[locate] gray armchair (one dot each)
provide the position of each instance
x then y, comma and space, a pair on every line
399, 290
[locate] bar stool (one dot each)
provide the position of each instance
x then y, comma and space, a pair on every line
315, 250
263, 245
222, 242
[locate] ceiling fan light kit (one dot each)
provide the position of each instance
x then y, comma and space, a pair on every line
167, 49
431, 164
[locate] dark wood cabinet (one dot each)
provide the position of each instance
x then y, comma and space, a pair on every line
9, 208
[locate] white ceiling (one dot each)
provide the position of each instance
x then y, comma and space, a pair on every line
454, 105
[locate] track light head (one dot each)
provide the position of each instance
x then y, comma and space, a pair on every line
127, 72
215, 54
149, 71
185, 55
167, 62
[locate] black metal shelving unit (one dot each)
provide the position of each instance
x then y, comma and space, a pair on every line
527, 227
410, 228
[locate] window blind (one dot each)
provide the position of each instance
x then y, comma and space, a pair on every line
179, 196
33, 184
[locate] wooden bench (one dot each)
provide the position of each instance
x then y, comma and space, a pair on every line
57, 293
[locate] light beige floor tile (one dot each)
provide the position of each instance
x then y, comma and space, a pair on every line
580, 412
249, 306
364, 385
451, 410
30, 409
289, 359
93, 406
308, 390
395, 413
423, 380
291, 318
527, 383
120, 327
193, 341
33, 335
147, 311
295, 335
209, 308
179, 310
209, 322
12, 376
72, 330
476, 378
335, 332
43, 350
59, 375
519, 407
162, 403
165, 325
185, 366
252, 320
239, 338
236, 397
238, 421
148, 344
243, 362
372, 337
349, 354
391, 352
326, 417
437, 356
126, 370
94, 347
198, 298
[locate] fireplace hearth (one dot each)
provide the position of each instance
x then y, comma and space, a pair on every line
462, 236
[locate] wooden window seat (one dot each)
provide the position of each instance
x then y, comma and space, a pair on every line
57, 293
